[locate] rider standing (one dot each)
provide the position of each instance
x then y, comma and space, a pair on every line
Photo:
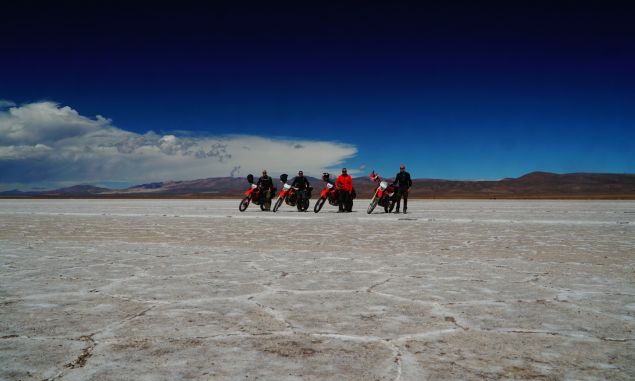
265, 183
403, 183
344, 184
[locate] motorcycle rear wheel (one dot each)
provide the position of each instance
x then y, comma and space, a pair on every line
318, 204
277, 205
244, 203
373, 204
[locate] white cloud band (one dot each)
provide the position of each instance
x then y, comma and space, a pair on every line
44, 141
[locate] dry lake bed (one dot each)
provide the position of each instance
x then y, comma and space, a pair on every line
194, 289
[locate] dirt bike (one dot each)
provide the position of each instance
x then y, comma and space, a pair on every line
292, 196
384, 194
329, 193
253, 195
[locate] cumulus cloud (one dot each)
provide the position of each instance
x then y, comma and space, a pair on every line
46, 142
45, 122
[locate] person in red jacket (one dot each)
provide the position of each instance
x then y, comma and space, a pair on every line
344, 184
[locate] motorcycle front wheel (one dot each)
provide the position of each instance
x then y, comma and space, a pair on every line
318, 204
303, 205
373, 204
243, 204
277, 205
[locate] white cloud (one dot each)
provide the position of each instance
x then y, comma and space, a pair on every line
45, 122
45, 142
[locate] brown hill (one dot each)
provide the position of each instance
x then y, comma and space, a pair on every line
216, 186
75, 190
532, 185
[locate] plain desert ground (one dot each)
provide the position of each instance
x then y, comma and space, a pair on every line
194, 289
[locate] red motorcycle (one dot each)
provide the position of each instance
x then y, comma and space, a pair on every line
384, 194
289, 195
329, 193
253, 195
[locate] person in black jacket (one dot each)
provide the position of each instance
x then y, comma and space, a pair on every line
302, 183
265, 183
403, 183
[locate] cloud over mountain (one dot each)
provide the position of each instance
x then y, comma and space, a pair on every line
44, 141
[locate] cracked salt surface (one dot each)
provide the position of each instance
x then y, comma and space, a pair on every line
194, 289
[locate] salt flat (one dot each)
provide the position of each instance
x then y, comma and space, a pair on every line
188, 289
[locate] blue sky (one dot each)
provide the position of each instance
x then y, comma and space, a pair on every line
455, 90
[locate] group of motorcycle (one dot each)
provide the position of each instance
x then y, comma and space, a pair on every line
384, 195
292, 196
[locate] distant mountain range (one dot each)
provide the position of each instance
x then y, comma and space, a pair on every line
540, 185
